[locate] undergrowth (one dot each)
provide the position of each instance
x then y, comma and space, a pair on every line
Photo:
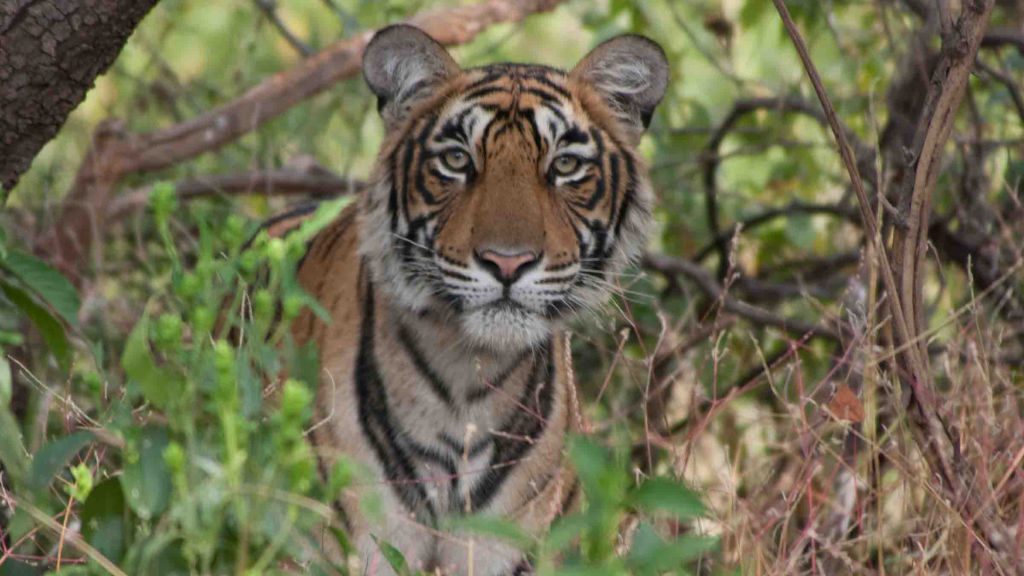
180, 448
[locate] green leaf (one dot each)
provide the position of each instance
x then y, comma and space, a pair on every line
577, 570
326, 213
6, 390
343, 542
50, 459
565, 530
491, 527
394, 557
48, 325
13, 567
159, 385
51, 285
650, 554
146, 482
664, 495
590, 460
12, 451
103, 519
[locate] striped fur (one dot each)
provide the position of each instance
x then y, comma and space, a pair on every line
448, 382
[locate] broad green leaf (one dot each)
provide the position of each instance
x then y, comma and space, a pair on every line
327, 212
50, 284
590, 460
6, 390
51, 459
102, 518
342, 539
159, 555
491, 527
650, 554
393, 556
565, 530
13, 567
49, 327
603, 570
159, 385
664, 495
146, 482
12, 451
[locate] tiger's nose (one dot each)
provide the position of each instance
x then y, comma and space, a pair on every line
506, 267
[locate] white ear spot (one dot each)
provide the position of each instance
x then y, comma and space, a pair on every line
401, 64
631, 74
629, 77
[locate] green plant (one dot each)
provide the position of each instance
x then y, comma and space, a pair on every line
626, 526
190, 464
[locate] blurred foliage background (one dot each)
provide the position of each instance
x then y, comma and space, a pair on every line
786, 419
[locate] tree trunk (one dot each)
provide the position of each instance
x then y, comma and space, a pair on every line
51, 51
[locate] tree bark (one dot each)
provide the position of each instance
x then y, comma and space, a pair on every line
51, 52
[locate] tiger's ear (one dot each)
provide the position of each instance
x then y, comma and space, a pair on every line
630, 73
402, 66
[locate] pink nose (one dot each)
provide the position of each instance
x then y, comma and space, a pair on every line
509, 266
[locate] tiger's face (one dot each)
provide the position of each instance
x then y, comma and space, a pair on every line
507, 195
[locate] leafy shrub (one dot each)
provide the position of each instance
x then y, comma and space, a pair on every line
196, 460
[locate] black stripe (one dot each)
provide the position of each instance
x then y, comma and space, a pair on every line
547, 82
300, 211
599, 187
459, 448
403, 195
432, 455
480, 92
544, 95
524, 568
343, 224
474, 396
556, 112
490, 77
512, 445
378, 427
435, 381
570, 497
613, 164
628, 195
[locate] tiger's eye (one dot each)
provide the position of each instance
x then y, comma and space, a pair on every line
565, 165
456, 160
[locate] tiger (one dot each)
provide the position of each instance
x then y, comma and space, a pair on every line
503, 200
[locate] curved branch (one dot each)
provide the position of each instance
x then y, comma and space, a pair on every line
267, 182
706, 283
712, 159
721, 242
117, 153
999, 37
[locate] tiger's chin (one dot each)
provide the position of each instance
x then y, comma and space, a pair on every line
505, 328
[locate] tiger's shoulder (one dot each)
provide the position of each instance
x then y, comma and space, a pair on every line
330, 269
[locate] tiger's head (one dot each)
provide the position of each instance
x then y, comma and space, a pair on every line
507, 195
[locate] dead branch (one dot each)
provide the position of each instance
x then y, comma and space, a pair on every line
706, 283
723, 239
905, 286
999, 37
116, 153
712, 159
269, 9
264, 182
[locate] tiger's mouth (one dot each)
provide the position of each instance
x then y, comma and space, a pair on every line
505, 324
518, 314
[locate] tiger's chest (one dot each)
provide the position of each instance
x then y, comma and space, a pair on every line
448, 432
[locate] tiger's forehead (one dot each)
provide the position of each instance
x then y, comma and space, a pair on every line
535, 98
